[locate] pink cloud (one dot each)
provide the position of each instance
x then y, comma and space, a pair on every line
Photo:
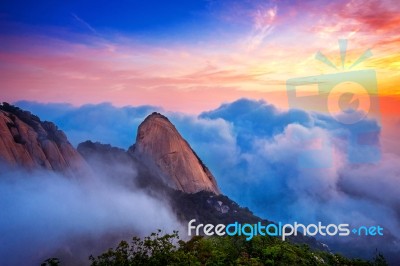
373, 15
284, 38
175, 78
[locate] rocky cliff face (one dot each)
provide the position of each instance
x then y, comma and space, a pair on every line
28, 142
160, 145
160, 151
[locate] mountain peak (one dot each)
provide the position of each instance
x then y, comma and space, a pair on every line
155, 115
160, 144
27, 141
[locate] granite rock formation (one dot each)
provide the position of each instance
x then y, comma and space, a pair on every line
27, 141
160, 146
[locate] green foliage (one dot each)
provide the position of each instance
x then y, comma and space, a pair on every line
379, 259
167, 249
155, 249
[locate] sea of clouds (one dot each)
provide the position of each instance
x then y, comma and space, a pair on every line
285, 165
44, 214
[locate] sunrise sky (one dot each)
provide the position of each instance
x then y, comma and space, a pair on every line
218, 69
187, 55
